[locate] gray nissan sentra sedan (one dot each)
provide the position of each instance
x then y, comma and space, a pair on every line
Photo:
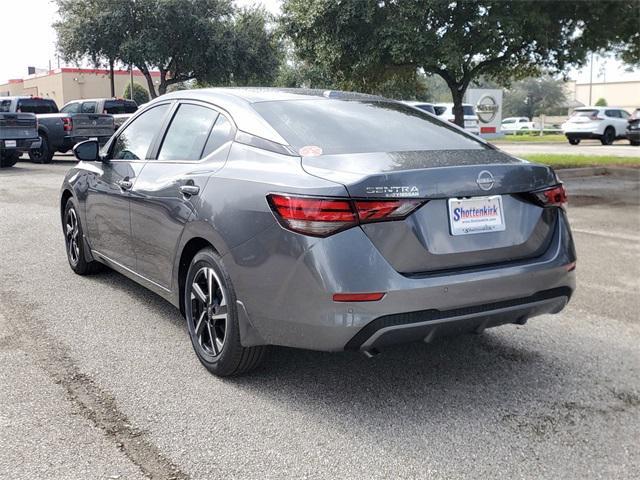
317, 219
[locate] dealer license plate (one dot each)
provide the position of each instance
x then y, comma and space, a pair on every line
10, 143
476, 215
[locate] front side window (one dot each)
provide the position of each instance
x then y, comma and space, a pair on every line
5, 105
623, 113
88, 107
134, 142
71, 108
361, 126
439, 110
187, 133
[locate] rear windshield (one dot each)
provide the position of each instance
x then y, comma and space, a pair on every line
584, 113
114, 107
37, 105
361, 126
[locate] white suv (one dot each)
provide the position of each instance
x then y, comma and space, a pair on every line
445, 111
603, 123
515, 124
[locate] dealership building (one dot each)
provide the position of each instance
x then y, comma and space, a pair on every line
66, 84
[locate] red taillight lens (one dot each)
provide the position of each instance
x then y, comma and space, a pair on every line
67, 124
552, 197
324, 216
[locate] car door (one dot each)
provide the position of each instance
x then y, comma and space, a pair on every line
624, 116
167, 192
107, 206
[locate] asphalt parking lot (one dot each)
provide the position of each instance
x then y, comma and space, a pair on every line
98, 378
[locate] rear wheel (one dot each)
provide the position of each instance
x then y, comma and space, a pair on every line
74, 243
635, 143
212, 318
8, 159
573, 140
608, 136
44, 154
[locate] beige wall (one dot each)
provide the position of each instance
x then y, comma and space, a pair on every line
617, 94
64, 85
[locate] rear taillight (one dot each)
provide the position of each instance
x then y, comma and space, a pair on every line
321, 217
67, 124
552, 197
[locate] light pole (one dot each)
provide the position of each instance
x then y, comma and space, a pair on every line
591, 79
131, 82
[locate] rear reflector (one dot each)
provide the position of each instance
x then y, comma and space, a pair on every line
357, 297
323, 216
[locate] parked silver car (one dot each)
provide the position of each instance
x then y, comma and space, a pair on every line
319, 220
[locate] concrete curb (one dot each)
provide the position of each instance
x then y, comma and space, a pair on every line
618, 172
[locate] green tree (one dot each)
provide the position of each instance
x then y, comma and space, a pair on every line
140, 94
90, 29
602, 102
361, 40
534, 96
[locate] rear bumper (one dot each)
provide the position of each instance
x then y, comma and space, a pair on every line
23, 145
583, 135
286, 284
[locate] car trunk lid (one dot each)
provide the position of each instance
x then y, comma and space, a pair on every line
424, 241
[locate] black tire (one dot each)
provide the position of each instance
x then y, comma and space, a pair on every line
214, 329
635, 143
608, 136
44, 154
573, 140
8, 159
73, 240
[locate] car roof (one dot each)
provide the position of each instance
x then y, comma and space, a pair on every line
237, 102
451, 105
100, 99
414, 102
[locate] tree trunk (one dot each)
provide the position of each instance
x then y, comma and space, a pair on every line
111, 79
457, 93
149, 78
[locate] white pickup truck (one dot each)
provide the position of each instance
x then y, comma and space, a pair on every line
516, 124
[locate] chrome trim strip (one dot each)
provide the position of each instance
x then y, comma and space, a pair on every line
119, 265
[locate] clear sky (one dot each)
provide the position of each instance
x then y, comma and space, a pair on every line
27, 39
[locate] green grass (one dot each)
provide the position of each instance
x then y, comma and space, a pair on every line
527, 138
575, 161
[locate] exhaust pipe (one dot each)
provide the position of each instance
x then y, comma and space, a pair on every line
371, 352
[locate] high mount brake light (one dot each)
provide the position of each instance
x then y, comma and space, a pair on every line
552, 197
321, 217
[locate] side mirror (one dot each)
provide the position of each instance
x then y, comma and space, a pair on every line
87, 151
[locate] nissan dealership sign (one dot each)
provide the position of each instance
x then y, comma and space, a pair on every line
488, 106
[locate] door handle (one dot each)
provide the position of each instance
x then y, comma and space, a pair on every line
189, 190
125, 184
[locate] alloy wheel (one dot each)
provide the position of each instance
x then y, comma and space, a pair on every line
209, 312
72, 232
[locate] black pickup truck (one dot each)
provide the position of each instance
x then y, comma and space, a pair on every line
18, 135
59, 132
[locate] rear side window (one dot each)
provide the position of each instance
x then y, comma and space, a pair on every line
37, 105
468, 110
134, 142
71, 108
361, 126
221, 133
426, 108
88, 107
115, 107
187, 133
5, 105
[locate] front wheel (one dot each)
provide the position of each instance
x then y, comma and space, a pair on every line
44, 154
635, 143
74, 243
574, 141
212, 318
